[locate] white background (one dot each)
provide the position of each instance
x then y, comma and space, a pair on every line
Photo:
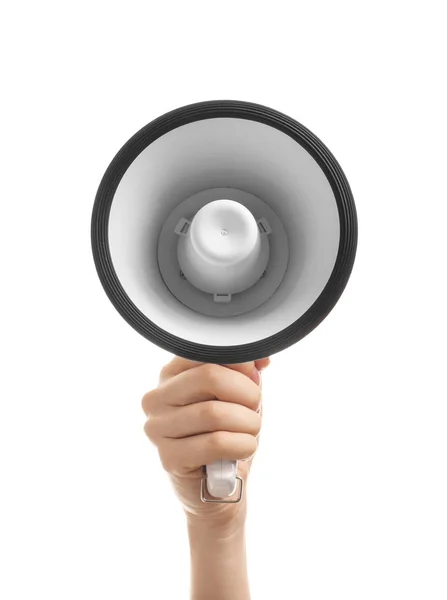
348, 493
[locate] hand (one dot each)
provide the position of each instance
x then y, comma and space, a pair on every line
200, 413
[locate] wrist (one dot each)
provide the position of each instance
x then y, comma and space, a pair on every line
212, 531
218, 521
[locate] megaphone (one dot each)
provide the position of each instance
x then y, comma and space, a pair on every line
224, 232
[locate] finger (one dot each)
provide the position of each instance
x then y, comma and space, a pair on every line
204, 383
203, 417
262, 364
179, 365
188, 454
176, 366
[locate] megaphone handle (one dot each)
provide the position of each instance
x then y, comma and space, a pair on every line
221, 481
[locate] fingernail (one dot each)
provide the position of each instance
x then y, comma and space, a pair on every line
255, 376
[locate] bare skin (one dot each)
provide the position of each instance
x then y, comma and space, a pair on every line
200, 413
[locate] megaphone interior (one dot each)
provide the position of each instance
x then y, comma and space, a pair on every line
224, 232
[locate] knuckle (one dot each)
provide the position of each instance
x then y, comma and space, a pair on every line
150, 429
165, 371
209, 413
148, 401
211, 374
217, 440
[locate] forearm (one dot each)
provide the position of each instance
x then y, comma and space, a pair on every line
218, 563
198, 414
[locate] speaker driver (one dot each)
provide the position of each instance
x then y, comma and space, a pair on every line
260, 282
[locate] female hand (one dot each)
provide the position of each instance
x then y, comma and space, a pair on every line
200, 413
